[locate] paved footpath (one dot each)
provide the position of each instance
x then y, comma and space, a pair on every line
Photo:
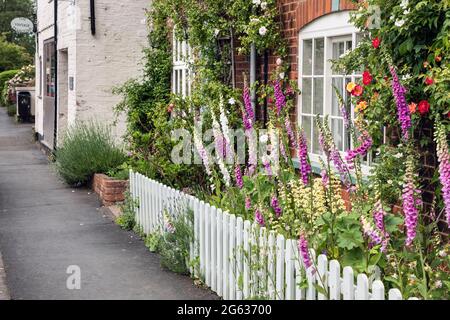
46, 226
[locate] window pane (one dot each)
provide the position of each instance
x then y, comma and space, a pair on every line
318, 96
338, 49
347, 140
348, 46
318, 56
180, 85
359, 37
306, 125
337, 130
306, 95
307, 57
316, 145
337, 85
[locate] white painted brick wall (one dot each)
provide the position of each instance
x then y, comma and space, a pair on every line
101, 62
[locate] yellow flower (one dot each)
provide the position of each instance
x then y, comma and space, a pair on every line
351, 86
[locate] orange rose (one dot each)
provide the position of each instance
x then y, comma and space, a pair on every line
361, 106
412, 107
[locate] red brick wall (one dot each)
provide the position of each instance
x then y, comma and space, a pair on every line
109, 190
294, 15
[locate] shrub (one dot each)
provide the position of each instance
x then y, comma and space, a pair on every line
12, 56
5, 76
87, 148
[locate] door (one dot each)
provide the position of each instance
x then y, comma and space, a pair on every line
49, 77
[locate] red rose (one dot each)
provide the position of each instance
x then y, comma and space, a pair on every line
438, 59
429, 81
357, 91
376, 42
424, 107
367, 78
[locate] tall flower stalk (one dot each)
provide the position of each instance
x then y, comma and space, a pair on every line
248, 104
444, 166
303, 249
331, 152
226, 132
280, 99
200, 148
305, 167
411, 201
403, 113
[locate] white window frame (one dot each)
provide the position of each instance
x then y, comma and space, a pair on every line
181, 71
330, 27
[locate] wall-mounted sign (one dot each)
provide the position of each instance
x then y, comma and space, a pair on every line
22, 25
71, 83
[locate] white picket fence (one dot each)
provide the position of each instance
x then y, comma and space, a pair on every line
240, 260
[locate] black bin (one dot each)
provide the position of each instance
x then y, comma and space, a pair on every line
24, 103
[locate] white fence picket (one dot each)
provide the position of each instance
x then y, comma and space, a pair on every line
334, 280
219, 249
322, 276
232, 257
247, 255
290, 270
362, 287
213, 266
202, 240
225, 255
299, 275
271, 264
240, 260
280, 267
348, 287
395, 294
377, 290
261, 262
206, 216
311, 278
254, 260
239, 256
197, 235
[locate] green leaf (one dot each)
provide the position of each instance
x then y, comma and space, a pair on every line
349, 239
320, 289
406, 46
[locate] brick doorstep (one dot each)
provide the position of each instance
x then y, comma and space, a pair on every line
4, 292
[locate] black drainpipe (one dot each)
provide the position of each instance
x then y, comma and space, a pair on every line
55, 122
93, 17
266, 80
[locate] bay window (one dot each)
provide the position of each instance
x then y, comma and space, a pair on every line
322, 40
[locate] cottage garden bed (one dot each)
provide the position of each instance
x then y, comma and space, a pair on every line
405, 88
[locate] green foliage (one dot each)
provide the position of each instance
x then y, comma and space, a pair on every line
152, 241
12, 56
87, 148
122, 172
127, 220
5, 76
174, 244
